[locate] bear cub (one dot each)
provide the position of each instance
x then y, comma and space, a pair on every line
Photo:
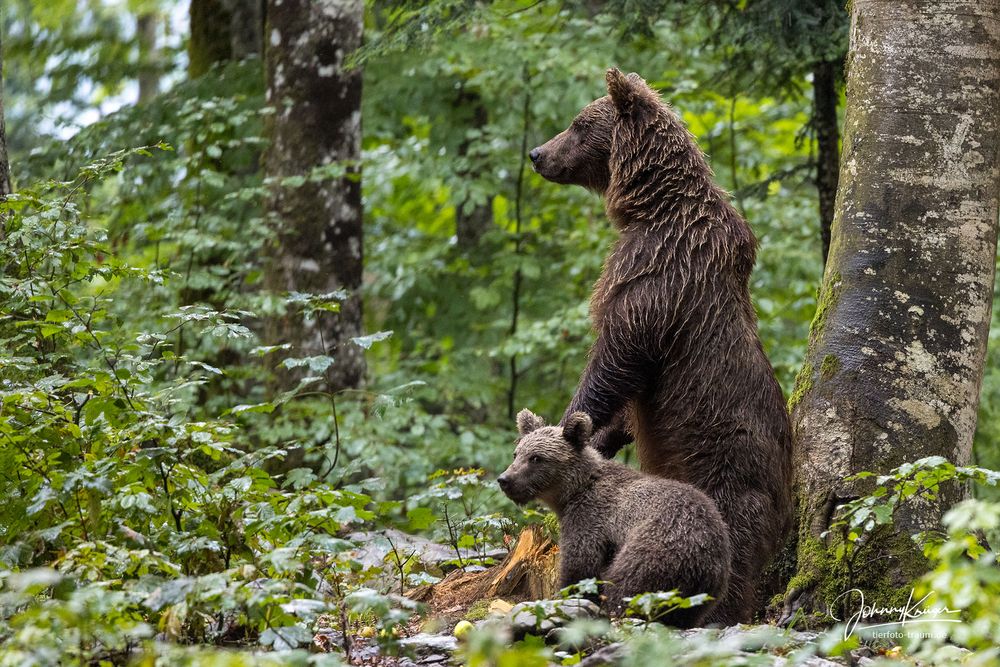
637, 532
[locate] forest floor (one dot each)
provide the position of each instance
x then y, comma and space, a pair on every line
482, 615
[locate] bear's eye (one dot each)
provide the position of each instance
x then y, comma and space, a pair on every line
535, 458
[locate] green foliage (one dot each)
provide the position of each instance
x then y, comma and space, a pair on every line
655, 606
126, 516
963, 580
487, 647
920, 482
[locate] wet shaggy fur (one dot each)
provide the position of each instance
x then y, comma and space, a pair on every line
677, 365
638, 532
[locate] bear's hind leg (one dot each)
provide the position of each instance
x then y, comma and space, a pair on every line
660, 566
751, 550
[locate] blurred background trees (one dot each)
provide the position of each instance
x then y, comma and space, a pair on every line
224, 273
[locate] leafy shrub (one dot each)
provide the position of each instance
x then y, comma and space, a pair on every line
125, 518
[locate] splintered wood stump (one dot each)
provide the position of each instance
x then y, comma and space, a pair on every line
529, 572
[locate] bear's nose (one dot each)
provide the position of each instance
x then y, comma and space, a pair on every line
535, 154
504, 482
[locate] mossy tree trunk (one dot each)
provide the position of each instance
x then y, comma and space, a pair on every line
317, 123
897, 346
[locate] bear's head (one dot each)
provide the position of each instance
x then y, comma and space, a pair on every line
581, 154
549, 461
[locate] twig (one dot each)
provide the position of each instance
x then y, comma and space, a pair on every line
400, 563
452, 538
170, 501
342, 613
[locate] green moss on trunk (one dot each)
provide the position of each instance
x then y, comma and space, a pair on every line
883, 569
803, 383
829, 367
827, 299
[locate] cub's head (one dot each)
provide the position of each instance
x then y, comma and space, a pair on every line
581, 154
548, 460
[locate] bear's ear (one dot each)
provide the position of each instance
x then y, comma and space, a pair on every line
577, 429
528, 421
625, 90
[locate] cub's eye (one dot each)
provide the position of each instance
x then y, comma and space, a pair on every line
535, 458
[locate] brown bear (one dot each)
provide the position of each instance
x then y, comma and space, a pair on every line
677, 364
637, 532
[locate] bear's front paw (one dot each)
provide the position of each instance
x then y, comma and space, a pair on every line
609, 442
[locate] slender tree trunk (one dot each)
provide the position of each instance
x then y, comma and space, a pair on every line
5, 182
223, 30
220, 31
317, 123
208, 42
827, 144
898, 343
246, 28
472, 224
149, 71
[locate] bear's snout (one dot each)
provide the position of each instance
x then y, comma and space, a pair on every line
504, 483
534, 154
513, 488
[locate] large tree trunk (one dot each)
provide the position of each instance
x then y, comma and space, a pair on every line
317, 123
827, 144
898, 343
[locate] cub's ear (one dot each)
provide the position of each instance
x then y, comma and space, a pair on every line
625, 90
528, 421
578, 429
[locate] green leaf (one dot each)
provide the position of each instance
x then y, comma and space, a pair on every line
255, 407
58, 315
316, 364
367, 341
420, 518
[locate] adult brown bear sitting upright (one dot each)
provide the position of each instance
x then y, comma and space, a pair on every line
677, 364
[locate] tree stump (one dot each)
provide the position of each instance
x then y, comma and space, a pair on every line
529, 572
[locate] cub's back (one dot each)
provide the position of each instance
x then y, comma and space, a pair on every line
631, 498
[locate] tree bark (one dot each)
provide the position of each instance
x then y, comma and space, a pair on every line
317, 123
898, 343
827, 144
